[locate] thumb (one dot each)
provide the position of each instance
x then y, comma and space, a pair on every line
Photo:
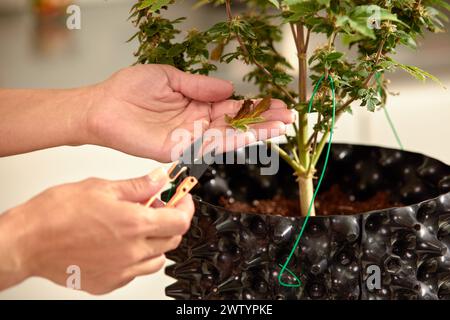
142, 188
198, 87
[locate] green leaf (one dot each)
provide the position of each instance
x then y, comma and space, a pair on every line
300, 9
418, 73
281, 78
221, 29
275, 3
244, 29
333, 56
406, 39
443, 4
359, 19
175, 50
369, 98
154, 5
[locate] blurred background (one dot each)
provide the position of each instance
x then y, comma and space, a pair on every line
38, 51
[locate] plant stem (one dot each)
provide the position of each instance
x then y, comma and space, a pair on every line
319, 149
311, 166
306, 191
283, 154
305, 183
302, 73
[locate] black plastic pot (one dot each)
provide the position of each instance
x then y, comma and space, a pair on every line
229, 255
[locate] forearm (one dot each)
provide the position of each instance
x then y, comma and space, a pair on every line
38, 119
14, 245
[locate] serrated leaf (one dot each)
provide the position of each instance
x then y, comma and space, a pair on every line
153, 5
248, 114
262, 106
417, 73
334, 56
244, 110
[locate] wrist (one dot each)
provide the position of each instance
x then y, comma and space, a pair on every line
15, 248
81, 102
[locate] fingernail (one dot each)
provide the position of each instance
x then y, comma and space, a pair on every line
157, 175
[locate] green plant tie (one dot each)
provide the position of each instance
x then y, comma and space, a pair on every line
319, 182
173, 185
386, 113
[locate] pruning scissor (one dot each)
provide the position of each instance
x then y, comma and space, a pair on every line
192, 162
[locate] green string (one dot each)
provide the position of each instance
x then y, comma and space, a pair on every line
170, 191
284, 267
386, 113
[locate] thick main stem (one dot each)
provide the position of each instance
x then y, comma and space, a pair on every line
303, 119
305, 183
306, 191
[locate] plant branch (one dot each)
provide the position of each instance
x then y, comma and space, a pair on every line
253, 60
302, 73
342, 108
314, 144
308, 33
286, 157
366, 82
294, 35
319, 150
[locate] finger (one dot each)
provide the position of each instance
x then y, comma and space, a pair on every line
142, 188
167, 222
285, 116
186, 204
223, 139
231, 107
198, 87
145, 248
158, 204
268, 129
152, 247
145, 267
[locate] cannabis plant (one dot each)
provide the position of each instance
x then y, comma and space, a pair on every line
249, 33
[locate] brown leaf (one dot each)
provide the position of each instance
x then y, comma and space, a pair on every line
249, 113
261, 107
245, 110
216, 53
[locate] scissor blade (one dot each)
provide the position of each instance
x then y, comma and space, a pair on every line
198, 168
194, 161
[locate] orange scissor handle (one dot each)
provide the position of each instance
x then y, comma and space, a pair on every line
185, 186
171, 179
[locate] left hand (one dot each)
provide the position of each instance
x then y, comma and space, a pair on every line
138, 108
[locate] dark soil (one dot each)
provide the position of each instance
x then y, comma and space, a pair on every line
330, 202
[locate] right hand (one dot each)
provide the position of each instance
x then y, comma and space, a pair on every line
97, 225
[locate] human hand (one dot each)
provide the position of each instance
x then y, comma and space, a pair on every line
96, 225
138, 108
